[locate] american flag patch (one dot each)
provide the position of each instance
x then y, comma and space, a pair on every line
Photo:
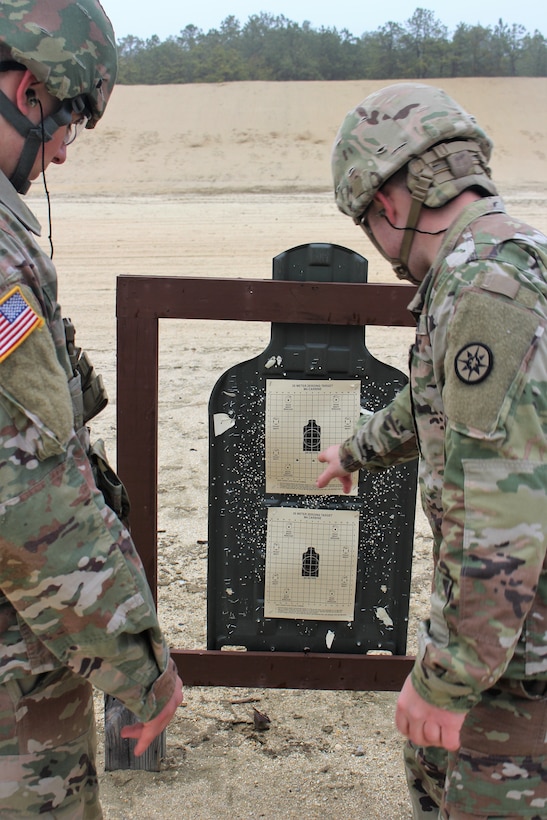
17, 321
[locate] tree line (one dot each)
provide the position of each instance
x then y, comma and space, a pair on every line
273, 48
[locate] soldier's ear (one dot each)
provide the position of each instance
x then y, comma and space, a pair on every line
385, 205
27, 93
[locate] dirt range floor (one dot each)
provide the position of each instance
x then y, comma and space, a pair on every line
327, 755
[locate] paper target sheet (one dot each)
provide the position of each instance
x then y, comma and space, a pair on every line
311, 564
303, 418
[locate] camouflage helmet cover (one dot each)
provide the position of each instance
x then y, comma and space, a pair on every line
69, 45
395, 126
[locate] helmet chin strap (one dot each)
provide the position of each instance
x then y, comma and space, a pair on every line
400, 263
418, 197
35, 136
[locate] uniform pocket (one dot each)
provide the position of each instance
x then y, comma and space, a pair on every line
500, 769
503, 547
22, 652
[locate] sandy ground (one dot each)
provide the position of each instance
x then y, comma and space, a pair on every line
215, 181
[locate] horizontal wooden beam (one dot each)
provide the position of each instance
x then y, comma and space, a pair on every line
263, 300
292, 670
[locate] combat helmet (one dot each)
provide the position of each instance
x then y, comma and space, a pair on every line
419, 127
71, 48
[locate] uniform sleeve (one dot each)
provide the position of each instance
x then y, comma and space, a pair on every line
67, 565
382, 439
491, 564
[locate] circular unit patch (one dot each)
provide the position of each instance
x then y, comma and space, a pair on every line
473, 363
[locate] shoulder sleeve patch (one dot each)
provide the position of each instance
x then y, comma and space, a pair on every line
490, 342
31, 377
473, 362
18, 320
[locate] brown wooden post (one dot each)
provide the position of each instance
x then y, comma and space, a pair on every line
137, 425
137, 440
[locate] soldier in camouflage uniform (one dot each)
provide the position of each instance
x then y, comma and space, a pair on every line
75, 607
411, 168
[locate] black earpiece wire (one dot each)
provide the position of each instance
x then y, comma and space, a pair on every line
46, 190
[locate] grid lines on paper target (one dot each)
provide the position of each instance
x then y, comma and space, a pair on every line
311, 563
303, 418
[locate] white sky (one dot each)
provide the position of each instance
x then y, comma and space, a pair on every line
169, 17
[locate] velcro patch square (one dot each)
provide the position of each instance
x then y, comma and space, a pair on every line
17, 321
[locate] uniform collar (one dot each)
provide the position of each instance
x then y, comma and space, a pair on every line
471, 212
13, 202
481, 207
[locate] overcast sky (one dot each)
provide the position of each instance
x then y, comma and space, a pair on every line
169, 17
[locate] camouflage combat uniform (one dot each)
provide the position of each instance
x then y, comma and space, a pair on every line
475, 411
75, 607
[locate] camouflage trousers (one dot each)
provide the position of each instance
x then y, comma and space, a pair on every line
47, 749
500, 770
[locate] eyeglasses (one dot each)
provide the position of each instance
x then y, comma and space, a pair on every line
74, 128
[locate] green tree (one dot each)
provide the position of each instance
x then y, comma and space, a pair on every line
532, 61
128, 48
424, 45
506, 48
338, 54
469, 51
382, 52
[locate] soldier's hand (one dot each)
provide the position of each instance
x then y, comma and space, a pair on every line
145, 733
334, 469
425, 724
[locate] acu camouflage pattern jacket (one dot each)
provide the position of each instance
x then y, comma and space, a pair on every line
72, 589
475, 411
